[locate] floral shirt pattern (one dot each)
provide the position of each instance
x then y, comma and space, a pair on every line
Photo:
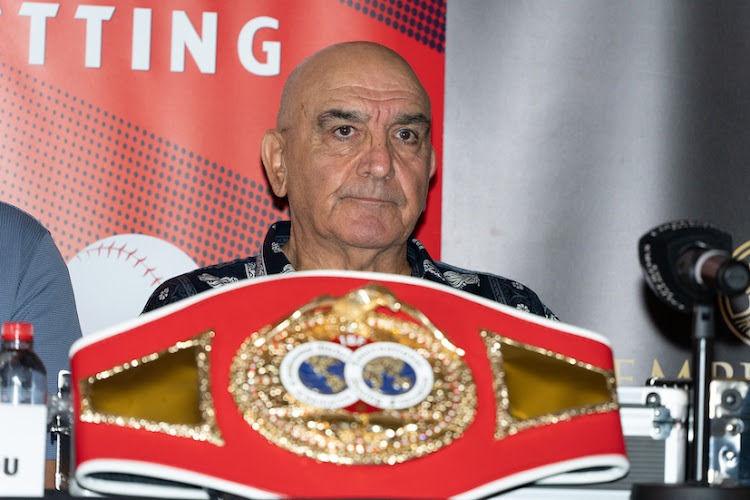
271, 260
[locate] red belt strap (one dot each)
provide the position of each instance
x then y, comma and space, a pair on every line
332, 384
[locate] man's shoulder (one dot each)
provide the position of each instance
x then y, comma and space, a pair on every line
495, 287
199, 280
29, 253
21, 224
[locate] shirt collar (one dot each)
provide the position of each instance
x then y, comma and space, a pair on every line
275, 262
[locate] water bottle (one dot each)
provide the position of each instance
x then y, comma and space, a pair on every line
23, 379
23, 413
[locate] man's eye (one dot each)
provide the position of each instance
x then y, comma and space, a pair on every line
344, 131
406, 135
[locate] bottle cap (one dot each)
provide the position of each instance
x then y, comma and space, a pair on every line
18, 331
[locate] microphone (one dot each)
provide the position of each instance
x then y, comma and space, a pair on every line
713, 270
687, 262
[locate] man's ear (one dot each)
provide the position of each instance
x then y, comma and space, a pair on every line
433, 163
272, 154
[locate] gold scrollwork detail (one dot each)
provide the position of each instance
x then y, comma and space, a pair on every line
325, 337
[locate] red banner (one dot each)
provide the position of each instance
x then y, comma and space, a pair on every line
127, 117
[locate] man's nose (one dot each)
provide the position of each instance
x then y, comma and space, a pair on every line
377, 160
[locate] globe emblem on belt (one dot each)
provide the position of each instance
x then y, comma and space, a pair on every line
354, 380
323, 374
382, 374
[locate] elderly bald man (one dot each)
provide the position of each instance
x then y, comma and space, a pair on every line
351, 152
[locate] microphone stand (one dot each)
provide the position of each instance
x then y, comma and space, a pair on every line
703, 349
697, 486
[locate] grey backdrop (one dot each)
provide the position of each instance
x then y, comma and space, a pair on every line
572, 127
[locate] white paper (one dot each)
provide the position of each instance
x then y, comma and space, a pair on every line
23, 434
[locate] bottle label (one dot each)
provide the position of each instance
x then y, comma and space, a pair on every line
23, 436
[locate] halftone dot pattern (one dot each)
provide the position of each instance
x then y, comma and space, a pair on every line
87, 174
422, 20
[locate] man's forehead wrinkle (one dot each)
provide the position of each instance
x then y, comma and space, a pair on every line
379, 88
372, 103
342, 114
347, 69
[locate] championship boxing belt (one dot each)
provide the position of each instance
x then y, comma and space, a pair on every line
333, 384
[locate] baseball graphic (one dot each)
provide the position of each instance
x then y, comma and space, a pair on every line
113, 278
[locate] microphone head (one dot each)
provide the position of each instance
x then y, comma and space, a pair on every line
733, 278
660, 250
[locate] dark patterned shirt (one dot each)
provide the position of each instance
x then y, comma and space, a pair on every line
271, 260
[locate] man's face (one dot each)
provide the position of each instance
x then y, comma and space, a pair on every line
357, 154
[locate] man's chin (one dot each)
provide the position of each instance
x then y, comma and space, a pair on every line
368, 237
374, 230
374, 242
